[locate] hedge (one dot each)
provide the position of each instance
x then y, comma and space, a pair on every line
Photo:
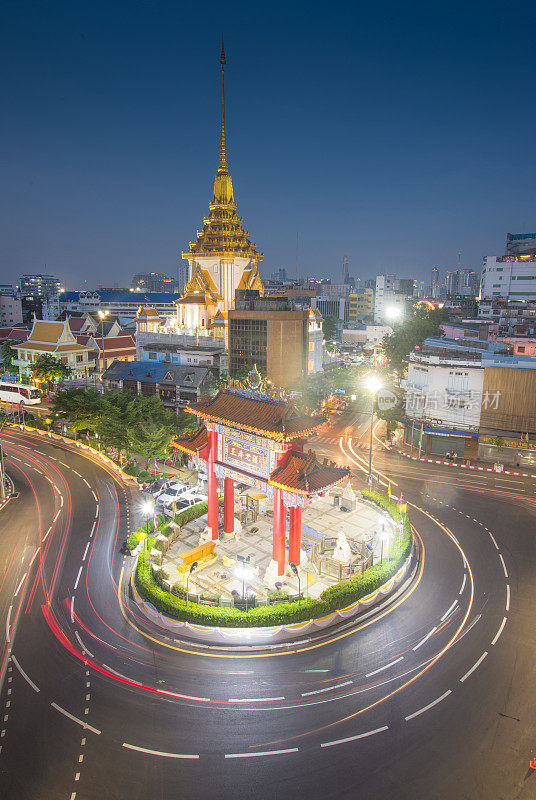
335, 597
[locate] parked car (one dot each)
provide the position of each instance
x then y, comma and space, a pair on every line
184, 501
172, 492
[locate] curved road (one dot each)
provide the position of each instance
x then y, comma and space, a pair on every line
431, 698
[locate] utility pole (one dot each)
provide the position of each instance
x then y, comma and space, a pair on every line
2, 474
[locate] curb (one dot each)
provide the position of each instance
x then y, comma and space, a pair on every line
10, 493
467, 466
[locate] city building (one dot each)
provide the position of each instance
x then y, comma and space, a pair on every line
56, 339
222, 258
283, 341
508, 277
39, 285
391, 297
10, 310
215, 358
435, 290
365, 336
153, 282
176, 385
123, 305
105, 350
510, 318
337, 307
519, 244
360, 304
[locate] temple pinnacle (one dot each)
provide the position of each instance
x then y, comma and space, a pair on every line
222, 163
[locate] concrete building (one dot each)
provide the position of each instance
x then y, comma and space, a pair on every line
176, 385
510, 318
331, 307
391, 297
360, 304
10, 310
366, 336
508, 277
435, 284
39, 285
123, 305
518, 244
214, 358
285, 342
55, 339
154, 282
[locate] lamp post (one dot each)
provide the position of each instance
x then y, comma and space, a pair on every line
294, 569
384, 538
243, 571
373, 385
148, 508
102, 315
193, 567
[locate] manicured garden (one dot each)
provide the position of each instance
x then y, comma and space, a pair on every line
335, 597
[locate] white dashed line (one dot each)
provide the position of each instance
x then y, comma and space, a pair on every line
158, 752
57, 515
503, 566
75, 719
85, 551
508, 597
354, 738
20, 584
95, 496
327, 689
430, 705
430, 633
84, 648
253, 699
78, 577
87, 484
265, 753
385, 666
92, 529
77, 473
445, 615
72, 609
26, 678
463, 583
475, 666
61, 501
495, 638
46, 534
492, 537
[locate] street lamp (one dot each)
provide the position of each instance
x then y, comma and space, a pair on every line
393, 312
148, 509
244, 572
373, 384
102, 315
193, 567
294, 569
384, 538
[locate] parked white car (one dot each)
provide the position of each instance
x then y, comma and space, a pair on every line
184, 501
170, 493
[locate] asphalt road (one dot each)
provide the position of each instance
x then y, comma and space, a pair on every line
430, 699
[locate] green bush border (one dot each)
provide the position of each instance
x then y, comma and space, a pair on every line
332, 599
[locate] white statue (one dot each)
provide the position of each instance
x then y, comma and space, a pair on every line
342, 553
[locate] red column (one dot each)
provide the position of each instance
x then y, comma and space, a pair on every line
279, 531
212, 485
228, 505
294, 536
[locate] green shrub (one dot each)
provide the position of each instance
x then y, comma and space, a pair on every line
132, 469
335, 597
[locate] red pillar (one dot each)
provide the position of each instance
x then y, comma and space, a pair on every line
212, 485
228, 505
279, 531
294, 535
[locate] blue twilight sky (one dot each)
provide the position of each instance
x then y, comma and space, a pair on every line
395, 133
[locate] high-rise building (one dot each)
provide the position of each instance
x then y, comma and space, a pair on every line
360, 304
390, 298
39, 286
434, 288
345, 272
509, 277
153, 282
520, 244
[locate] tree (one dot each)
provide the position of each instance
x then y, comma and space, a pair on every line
415, 329
47, 368
149, 439
330, 327
8, 354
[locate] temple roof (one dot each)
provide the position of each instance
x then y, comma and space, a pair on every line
275, 419
304, 474
192, 442
222, 233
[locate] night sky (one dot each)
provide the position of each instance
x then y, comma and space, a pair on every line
398, 134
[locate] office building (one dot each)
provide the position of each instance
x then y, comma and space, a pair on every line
39, 286
508, 277
10, 310
391, 296
435, 285
360, 304
519, 244
153, 282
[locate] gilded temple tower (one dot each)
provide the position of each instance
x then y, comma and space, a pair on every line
222, 258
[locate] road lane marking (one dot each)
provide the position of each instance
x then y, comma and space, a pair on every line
84, 648
316, 670
430, 705
46, 534
85, 552
159, 752
264, 753
20, 584
327, 689
84, 725
385, 666
508, 597
57, 515
353, 738
26, 678
61, 501
86, 482
95, 496
463, 583
72, 608
503, 566
7, 623
492, 537
253, 699
430, 633
92, 529
78, 577
503, 623
475, 666
445, 615
76, 473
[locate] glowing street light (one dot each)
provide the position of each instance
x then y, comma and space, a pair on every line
384, 539
102, 315
373, 384
393, 312
244, 572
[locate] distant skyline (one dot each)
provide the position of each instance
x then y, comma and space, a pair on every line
398, 135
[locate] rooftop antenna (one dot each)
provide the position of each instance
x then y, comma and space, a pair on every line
297, 246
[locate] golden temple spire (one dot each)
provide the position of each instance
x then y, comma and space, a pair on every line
222, 164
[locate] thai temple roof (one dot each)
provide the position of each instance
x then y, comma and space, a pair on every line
223, 233
265, 416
